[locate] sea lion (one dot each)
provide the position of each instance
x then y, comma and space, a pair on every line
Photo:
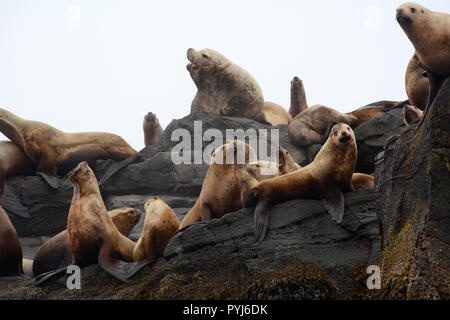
226, 186
298, 97
92, 236
55, 253
325, 178
276, 114
416, 83
429, 32
10, 248
362, 181
160, 224
410, 114
57, 152
224, 88
152, 129
13, 161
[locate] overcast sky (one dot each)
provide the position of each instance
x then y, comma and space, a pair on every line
102, 65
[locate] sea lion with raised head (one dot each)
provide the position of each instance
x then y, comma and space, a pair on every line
13, 162
326, 178
416, 83
10, 248
429, 32
160, 224
152, 129
55, 253
223, 87
298, 97
57, 152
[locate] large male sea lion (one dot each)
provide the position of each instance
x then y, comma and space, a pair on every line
10, 248
416, 83
298, 97
160, 224
429, 32
55, 253
325, 178
152, 129
57, 152
13, 161
223, 87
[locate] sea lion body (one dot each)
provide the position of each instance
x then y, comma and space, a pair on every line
57, 152
55, 253
224, 88
325, 178
160, 224
152, 129
10, 248
416, 83
298, 97
276, 114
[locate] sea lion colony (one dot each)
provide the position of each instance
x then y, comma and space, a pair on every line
94, 236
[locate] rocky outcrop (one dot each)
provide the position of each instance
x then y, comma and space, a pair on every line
414, 208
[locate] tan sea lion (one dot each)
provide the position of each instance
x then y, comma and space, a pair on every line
298, 97
411, 113
92, 236
226, 186
13, 162
57, 152
152, 129
362, 181
224, 88
416, 83
55, 253
160, 224
325, 178
429, 32
276, 114
10, 248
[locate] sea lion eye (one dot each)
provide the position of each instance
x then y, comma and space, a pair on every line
425, 74
413, 10
204, 55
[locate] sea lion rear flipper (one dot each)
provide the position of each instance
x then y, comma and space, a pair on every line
116, 167
51, 180
48, 275
434, 83
120, 269
260, 221
181, 230
12, 203
333, 201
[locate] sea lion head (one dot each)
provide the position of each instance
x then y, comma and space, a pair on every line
150, 120
234, 152
296, 82
150, 201
285, 162
125, 218
205, 65
410, 14
342, 135
82, 175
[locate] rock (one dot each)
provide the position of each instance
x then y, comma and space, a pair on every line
413, 181
305, 256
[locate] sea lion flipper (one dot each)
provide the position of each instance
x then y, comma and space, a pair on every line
48, 275
52, 181
333, 201
260, 221
12, 203
119, 269
116, 167
434, 83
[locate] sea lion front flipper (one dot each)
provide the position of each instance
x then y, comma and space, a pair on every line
260, 221
333, 200
12, 203
434, 81
116, 167
48, 275
120, 269
52, 181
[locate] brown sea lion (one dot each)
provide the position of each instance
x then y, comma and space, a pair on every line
410, 114
224, 88
160, 224
298, 97
429, 32
276, 114
416, 83
57, 152
325, 178
55, 253
152, 129
92, 236
226, 186
10, 248
13, 162
362, 181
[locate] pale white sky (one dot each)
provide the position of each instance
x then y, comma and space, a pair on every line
102, 65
